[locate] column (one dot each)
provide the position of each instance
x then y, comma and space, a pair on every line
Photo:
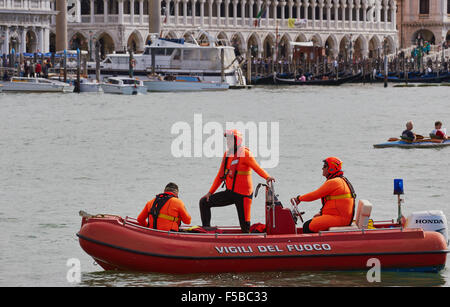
267, 12
336, 13
202, 12
219, 12
305, 8
364, 6
185, 12
290, 6
6, 41
385, 12
393, 15
46, 40
378, 13
154, 16
141, 12
78, 4
274, 10
250, 13
120, 12
357, 7
23, 40
92, 12
329, 6
313, 13
350, 13
176, 4
61, 25
105, 11
235, 3
40, 44
298, 4
343, 7
227, 12
321, 5
243, 12
210, 10
193, 11
132, 11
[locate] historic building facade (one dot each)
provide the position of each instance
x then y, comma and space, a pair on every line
25, 26
364, 26
423, 19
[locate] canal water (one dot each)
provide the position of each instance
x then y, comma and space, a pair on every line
61, 153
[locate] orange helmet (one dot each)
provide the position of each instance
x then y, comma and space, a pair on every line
237, 136
334, 165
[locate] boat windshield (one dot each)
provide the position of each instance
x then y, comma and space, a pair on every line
129, 81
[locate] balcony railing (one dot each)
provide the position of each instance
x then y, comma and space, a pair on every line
223, 22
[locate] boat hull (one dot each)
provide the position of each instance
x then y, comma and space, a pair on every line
333, 82
184, 86
119, 245
33, 88
90, 88
417, 79
123, 90
405, 144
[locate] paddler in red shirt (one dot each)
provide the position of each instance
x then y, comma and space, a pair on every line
236, 173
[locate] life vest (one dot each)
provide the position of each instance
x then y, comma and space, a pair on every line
158, 204
232, 171
352, 195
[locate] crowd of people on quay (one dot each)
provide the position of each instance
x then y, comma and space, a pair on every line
27, 67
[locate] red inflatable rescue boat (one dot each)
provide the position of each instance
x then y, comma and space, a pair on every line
118, 243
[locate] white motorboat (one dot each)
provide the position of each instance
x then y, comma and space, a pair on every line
124, 86
183, 84
90, 86
36, 85
177, 57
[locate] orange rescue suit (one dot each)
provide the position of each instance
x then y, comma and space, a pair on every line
238, 172
338, 204
170, 216
235, 169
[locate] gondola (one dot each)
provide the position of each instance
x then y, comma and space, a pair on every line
333, 82
416, 78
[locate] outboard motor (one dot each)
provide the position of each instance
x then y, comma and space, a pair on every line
433, 220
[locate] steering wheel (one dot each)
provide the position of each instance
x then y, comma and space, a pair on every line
295, 211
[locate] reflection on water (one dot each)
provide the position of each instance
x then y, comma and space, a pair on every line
262, 279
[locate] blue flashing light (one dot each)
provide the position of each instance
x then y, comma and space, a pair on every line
398, 187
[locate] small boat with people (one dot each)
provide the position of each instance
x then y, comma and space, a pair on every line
183, 84
35, 85
419, 143
412, 244
124, 86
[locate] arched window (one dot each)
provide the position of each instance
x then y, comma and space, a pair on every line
424, 7
85, 7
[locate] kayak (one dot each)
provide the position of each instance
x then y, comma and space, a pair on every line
118, 243
426, 143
